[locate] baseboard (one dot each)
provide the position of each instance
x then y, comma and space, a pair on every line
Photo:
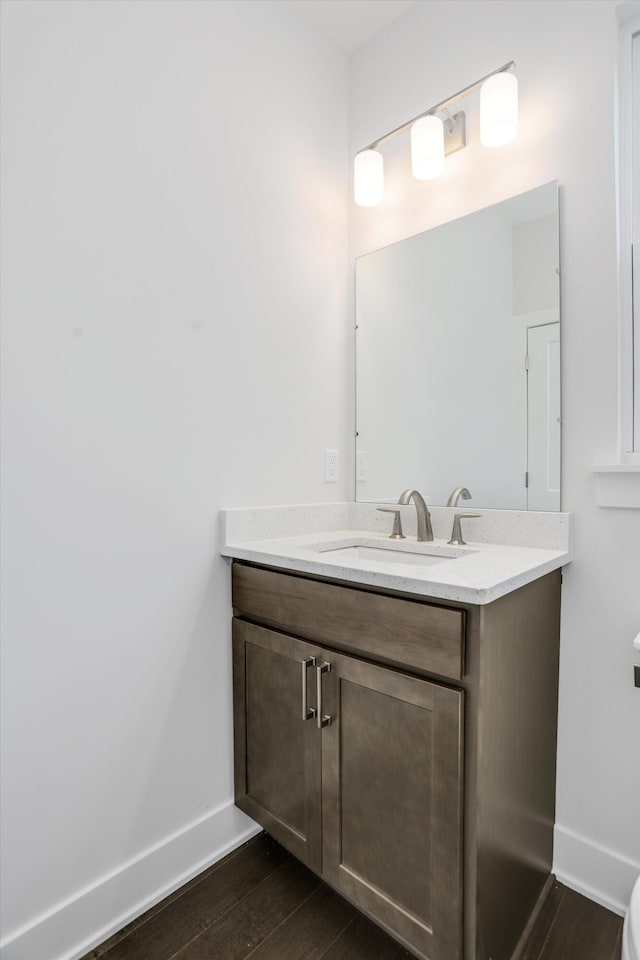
83, 921
602, 874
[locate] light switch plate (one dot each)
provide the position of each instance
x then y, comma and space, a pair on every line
331, 466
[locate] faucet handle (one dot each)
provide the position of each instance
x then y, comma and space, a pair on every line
396, 533
456, 533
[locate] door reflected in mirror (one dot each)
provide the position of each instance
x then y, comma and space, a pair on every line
458, 360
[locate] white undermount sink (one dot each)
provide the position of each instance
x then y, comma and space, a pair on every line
416, 554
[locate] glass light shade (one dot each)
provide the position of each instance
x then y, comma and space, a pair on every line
499, 110
368, 178
427, 148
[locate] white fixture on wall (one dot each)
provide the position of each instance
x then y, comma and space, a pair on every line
433, 137
499, 110
427, 147
369, 178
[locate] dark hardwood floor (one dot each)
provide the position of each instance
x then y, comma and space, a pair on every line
259, 902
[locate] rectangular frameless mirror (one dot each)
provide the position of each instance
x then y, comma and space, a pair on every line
458, 360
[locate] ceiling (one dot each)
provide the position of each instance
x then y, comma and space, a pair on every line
350, 23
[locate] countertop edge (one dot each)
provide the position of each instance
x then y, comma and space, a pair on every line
420, 587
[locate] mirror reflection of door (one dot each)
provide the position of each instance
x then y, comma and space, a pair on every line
543, 417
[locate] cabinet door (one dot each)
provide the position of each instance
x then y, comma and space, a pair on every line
392, 801
277, 752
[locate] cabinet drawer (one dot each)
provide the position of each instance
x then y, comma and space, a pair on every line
422, 636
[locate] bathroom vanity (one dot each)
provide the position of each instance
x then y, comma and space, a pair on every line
398, 741
396, 701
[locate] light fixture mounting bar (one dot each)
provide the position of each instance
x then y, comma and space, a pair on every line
455, 133
445, 104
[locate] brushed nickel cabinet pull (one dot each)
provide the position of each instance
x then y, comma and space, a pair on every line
323, 719
307, 712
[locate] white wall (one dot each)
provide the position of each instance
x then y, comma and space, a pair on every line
565, 56
175, 340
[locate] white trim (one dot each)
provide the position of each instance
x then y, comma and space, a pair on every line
624, 192
605, 875
618, 485
78, 924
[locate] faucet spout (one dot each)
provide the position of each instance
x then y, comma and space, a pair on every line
425, 531
456, 495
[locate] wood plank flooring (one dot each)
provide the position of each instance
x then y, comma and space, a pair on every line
261, 903
571, 927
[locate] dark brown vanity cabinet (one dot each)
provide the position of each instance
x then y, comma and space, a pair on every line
381, 771
343, 787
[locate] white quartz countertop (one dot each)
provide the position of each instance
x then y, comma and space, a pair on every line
478, 572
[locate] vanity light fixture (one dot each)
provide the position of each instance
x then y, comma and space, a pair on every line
499, 110
368, 178
427, 147
433, 137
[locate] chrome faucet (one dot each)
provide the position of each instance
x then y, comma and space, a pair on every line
425, 531
456, 494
